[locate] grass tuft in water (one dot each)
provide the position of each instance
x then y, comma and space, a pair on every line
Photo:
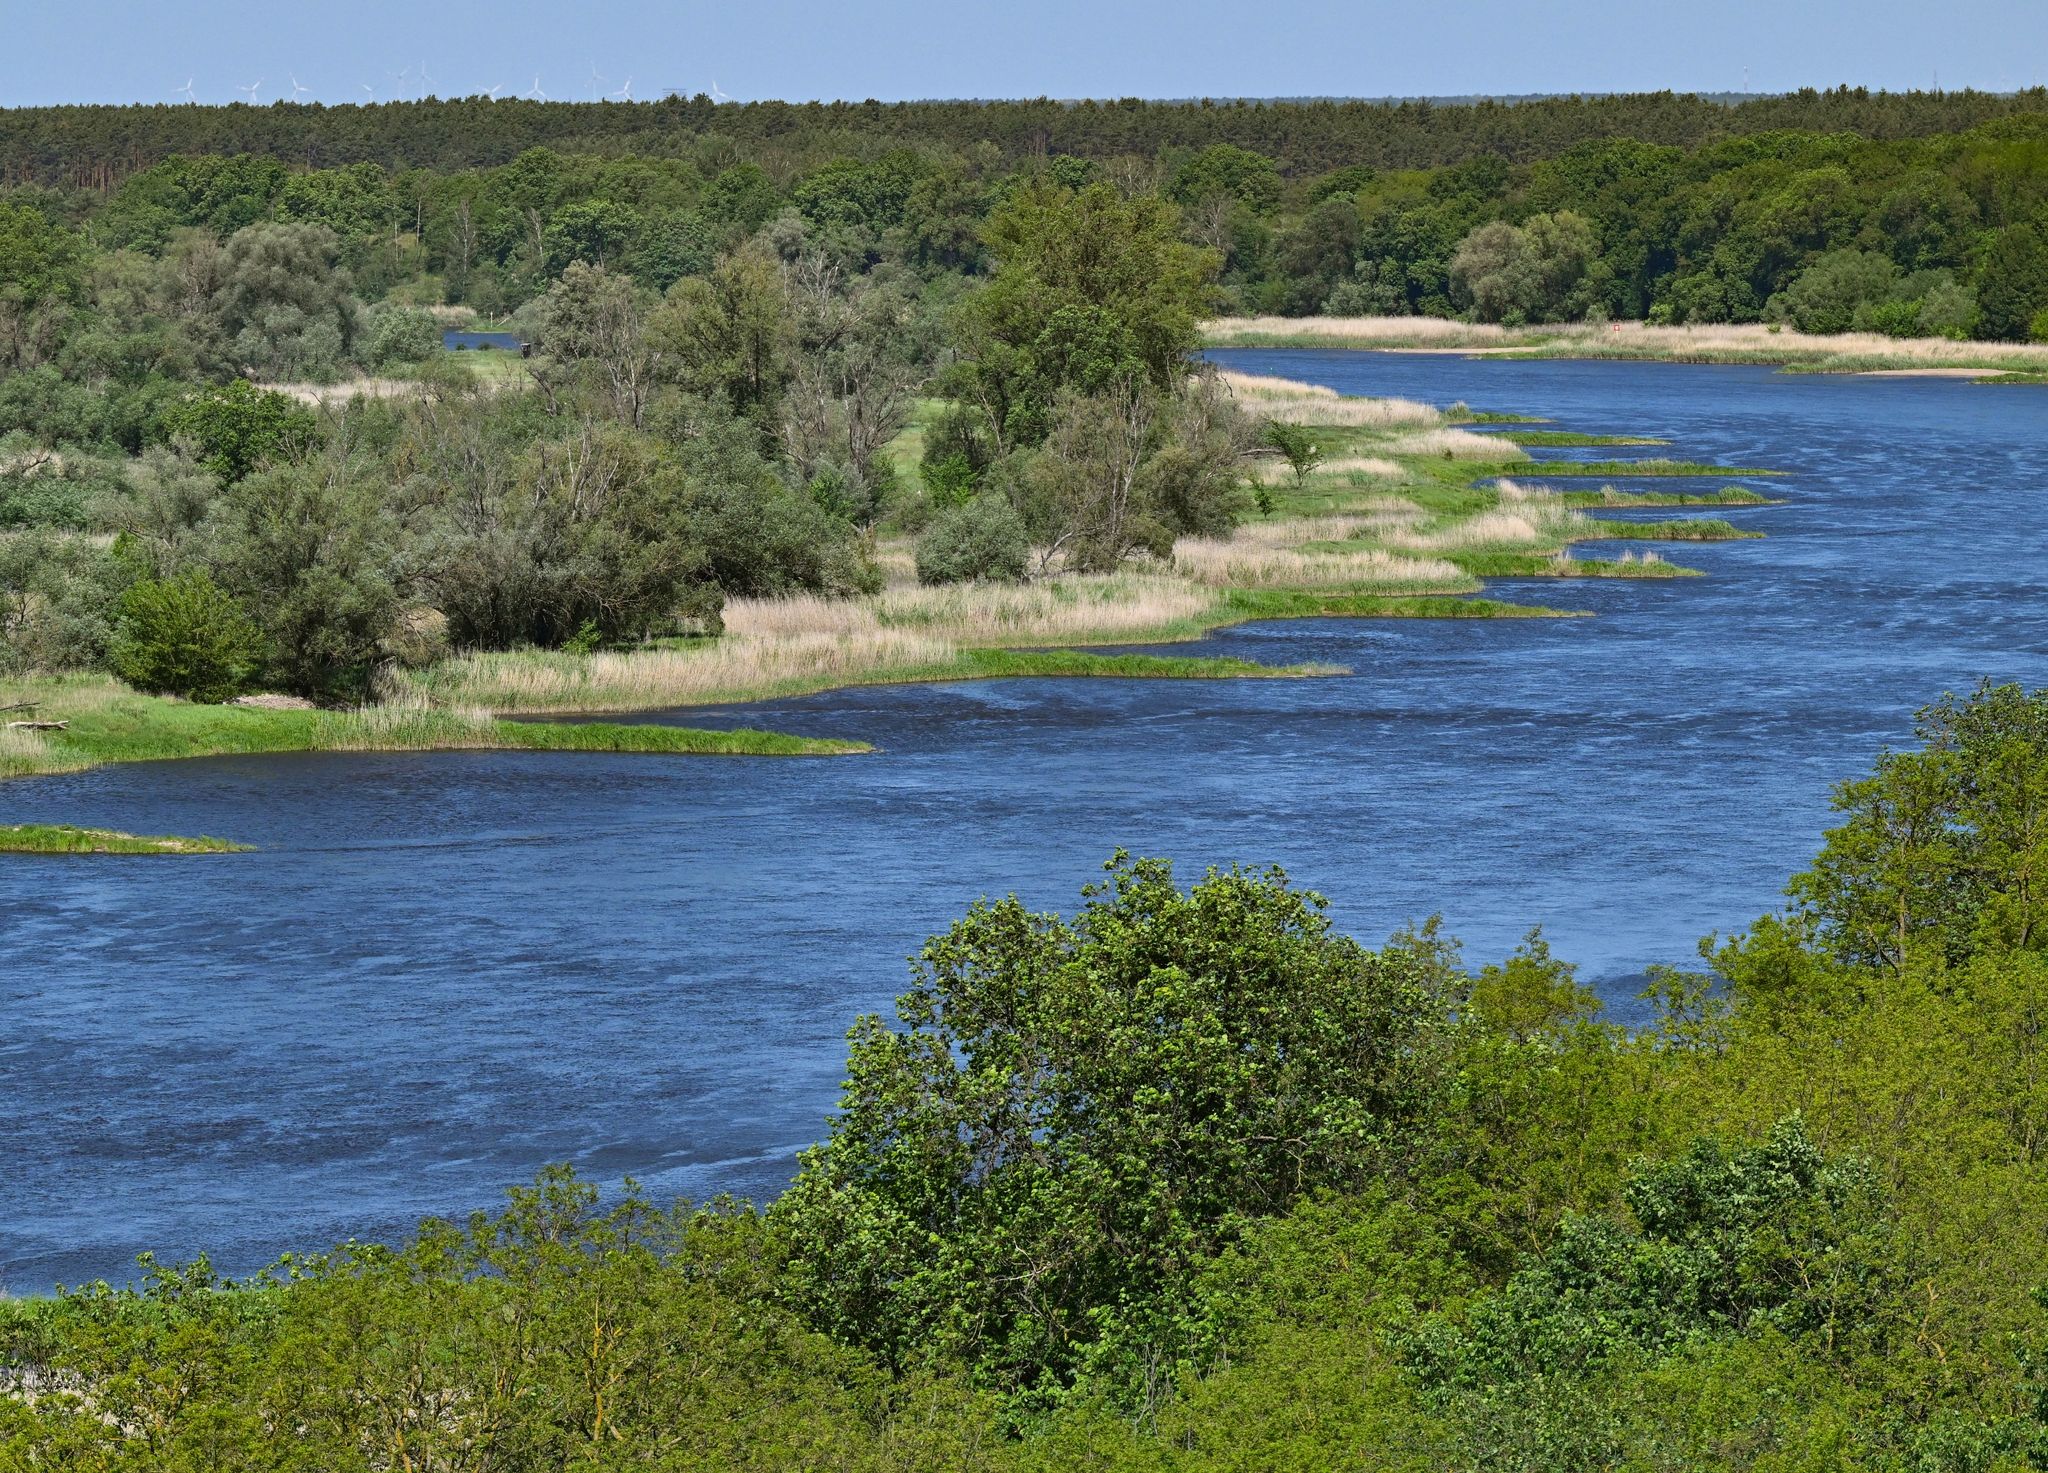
38, 838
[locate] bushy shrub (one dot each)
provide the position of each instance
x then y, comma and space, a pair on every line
400, 335
57, 600
985, 540
184, 636
238, 426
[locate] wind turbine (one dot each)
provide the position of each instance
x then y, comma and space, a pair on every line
536, 94
251, 90
186, 91
625, 93
596, 77
297, 90
425, 80
716, 95
370, 92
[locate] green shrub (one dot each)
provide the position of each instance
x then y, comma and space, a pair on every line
401, 335
983, 540
184, 636
238, 426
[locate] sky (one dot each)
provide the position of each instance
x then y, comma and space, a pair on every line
52, 51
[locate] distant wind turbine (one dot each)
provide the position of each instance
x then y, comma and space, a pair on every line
370, 91
186, 91
596, 77
425, 80
716, 95
535, 93
251, 90
297, 90
625, 93
493, 92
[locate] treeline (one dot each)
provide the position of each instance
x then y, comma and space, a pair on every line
164, 518
1189, 1180
97, 146
1916, 235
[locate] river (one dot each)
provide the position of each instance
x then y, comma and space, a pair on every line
441, 971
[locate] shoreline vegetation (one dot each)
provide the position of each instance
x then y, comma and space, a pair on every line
1406, 514
1745, 343
40, 838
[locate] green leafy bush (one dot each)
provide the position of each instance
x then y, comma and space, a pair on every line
401, 335
238, 426
1074, 1115
183, 636
985, 540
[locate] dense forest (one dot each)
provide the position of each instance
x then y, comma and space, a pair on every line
99, 146
1190, 1180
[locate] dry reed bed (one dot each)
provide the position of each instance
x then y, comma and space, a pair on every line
1317, 405
1530, 527
736, 667
1368, 570
1387, 331
981, 614
1754, 341
1455, 444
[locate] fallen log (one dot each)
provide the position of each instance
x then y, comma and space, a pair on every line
38, 726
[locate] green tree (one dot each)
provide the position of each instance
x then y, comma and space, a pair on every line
1297, 445
1540, 271
237, 427
1073, 1116
981, 540
2012, 282
594, 322
1089, 289
729, 335
1838, 288
184, 636
283, 308
1943, 851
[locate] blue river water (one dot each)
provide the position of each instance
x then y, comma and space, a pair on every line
440, 972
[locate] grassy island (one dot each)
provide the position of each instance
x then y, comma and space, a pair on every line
34, 838
103, 721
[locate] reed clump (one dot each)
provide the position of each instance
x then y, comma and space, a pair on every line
1456, 444
1370, 570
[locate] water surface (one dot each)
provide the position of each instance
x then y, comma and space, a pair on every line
442, 971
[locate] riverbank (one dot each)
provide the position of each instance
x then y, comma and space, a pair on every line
1743, 343
1404, 515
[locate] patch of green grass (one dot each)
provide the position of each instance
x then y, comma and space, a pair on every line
1542, 565
1563, 438
1683, 529
1656, 466
1276, 603
998, 664
105, 722
1608, 496
44, 838
1495, 417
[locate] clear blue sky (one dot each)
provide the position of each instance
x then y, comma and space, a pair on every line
143, 50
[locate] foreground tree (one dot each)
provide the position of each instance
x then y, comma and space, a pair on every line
1944, 851
1074, 1115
